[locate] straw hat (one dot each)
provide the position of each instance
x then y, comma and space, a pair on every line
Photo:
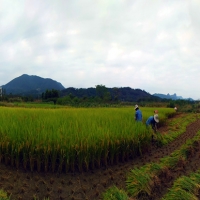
136, 106
156, 118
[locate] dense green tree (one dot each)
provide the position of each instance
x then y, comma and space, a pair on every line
103, 92
50, 94
116, 93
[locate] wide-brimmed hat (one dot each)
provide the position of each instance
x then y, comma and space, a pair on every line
156, 118
136, 106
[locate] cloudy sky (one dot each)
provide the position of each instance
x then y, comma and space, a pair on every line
153, 45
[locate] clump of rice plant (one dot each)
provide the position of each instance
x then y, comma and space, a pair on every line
3, 195
114, 193
185, 187
140, 181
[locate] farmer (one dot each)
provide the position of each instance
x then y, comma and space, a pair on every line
155, 112
152, 121
138, 114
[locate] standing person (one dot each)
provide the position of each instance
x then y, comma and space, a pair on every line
152, 121
138, 114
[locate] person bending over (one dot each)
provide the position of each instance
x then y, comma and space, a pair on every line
152, 121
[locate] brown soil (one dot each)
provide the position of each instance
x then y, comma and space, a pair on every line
90, 185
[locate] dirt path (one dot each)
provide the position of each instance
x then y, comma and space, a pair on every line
89, 185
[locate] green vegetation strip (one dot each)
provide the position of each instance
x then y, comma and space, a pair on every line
185, 188
176, 127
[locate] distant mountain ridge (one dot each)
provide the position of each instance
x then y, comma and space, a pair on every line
33, 84
122, 93
173, 96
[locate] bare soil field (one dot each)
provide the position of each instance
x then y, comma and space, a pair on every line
90, 185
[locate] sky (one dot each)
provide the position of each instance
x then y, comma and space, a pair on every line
153, 45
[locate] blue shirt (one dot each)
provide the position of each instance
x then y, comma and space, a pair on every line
150, 121
138, 115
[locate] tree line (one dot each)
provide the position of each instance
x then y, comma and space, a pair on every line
102, 96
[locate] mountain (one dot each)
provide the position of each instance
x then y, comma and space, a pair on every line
122, 94
25, 84
33, 85
173, 96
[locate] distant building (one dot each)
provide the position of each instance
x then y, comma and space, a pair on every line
1, 91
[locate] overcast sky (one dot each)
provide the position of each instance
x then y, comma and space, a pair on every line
153, 45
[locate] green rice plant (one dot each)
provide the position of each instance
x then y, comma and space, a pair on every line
87, 158
187, 184
91, 156
17, 152
67, 159
186, 188
7, 151
46, 155
176, 127
114, 151
105, 151
114, 193
196, 176
12, 155
37, 157
32, 161
53, 155
140, 181
72, 157
181, 154
180, 194
88, 138
3, 195
98, 149
81, 154
61, 159
25, 153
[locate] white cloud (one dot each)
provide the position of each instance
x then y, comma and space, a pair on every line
152, 45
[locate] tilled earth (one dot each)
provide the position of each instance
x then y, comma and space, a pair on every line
90, 185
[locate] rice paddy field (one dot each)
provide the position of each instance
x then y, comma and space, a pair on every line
91, 153
70, 139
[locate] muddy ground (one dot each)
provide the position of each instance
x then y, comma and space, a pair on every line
90, 185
